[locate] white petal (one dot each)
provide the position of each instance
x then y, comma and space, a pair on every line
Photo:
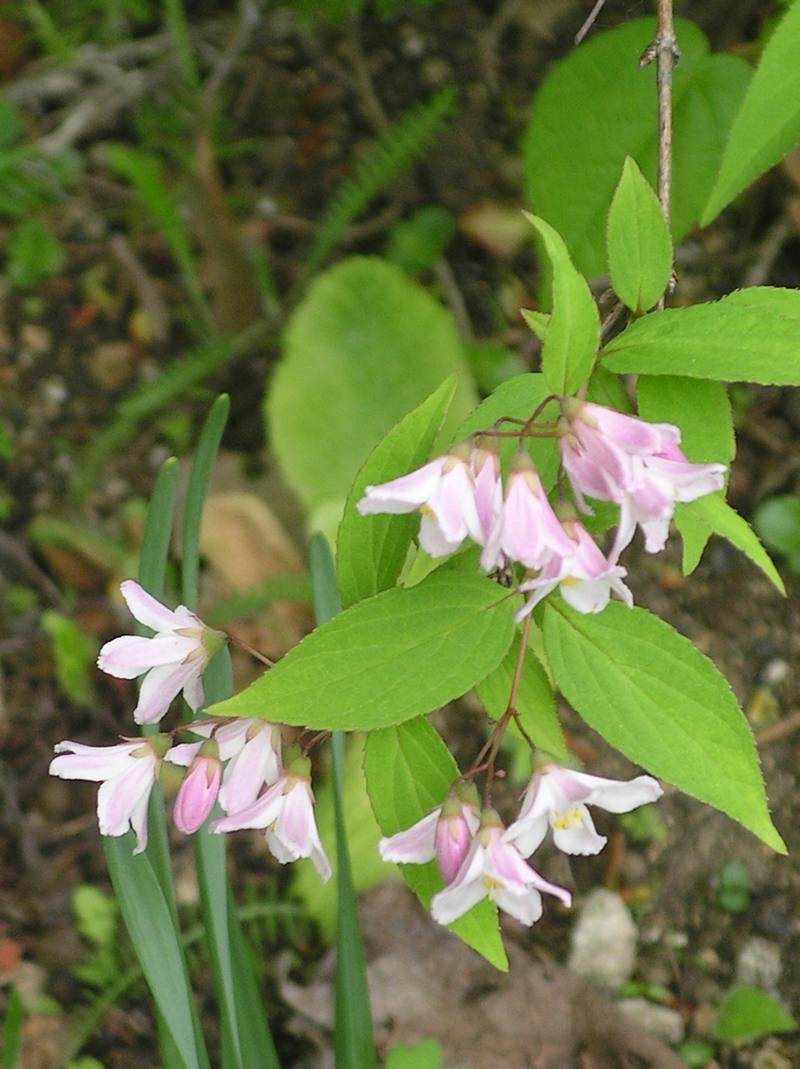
139, 822
415, 844
454, 901
95, 763
129, 656
525, 908
247, 772
263, 812
527, 833
403, 494
232, 736
433, 540
118, 797
193, 693
159, 687
579, 836
619, 797
147, 610
183, 754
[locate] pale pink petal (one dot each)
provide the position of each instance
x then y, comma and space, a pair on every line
526, 908
504, 864
139, 822
452, 841
456, 900
260, 814
414, 845
540, 588
231, 736
578, 836
94, 763
184, 753
319, 858
129, 656
196, 796
433, 540
118, 797
404, 494
294, 822
587, 595
453, 504
193, 693
147, 610
551, 888
247, 771
160, 687
488, 493
527, 833
634, 434
620, 797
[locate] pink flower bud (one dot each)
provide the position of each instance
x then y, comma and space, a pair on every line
452, 838
198, 792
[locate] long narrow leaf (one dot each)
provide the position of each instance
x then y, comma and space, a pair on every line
354, 1043
246, 1040
12, 1029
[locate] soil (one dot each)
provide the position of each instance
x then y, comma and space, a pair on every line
71, 350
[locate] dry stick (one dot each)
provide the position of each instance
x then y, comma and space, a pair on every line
252, 651
502, 724
590, 21
664, 49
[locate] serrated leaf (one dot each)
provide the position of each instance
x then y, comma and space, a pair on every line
535, 702
364, 347
719, 518
746, 1013
596, 107
570, 343
767, 124
648, 691
537, 321
519, 398
386, 659
409, 772
638, 241
748, 336
371, 550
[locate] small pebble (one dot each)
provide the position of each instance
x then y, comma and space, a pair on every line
659, 1021
603, 941
758, 963
775, 672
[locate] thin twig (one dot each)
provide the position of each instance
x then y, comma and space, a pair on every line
249, 17
252, 651
664, 50
784, 727
590, 21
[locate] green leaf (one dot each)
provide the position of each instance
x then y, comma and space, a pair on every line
596, 107
573, 333
386, 659
748, 336
416, 243
606, 388
371, 550
158, 529
74, 654
519, 398
537, 321
767, 124
365, 347
746, 1013
638, 241
353, 1040
33, 253
204, 457
409, 772
777, 521
149, 921
648, 691
12, 1029
425, 1055
719, 518
535, 702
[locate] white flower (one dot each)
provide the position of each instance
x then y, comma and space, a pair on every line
557, 798
444, 834
173, 659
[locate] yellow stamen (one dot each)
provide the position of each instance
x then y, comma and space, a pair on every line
566, 820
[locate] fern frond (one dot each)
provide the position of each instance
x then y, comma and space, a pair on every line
395, 151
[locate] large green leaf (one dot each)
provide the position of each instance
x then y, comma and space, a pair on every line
748, 336
535, 702
365, 346
573, 330
767, 125
409, 772
651, 693
639, 245
519, 398
386, 659
748, 1012
596, 107
371, 550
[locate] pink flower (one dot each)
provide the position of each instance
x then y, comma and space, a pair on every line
557, 798
285, 811
585, 577
493, 868
445, 834
126, 773
636, 464
173, 659
527, 530
200, 786
444, 493
252, 749
485, 468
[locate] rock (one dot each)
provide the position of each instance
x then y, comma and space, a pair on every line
603, 942
111, 364
758, 963
659, 1021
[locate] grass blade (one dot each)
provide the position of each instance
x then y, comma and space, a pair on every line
12, 1029
354, 1043
246, 1039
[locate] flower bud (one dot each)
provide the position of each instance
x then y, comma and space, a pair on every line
199, 789
452, 838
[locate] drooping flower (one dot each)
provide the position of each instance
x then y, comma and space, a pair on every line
285, 812
173, 659
126, 773
585, 577
252, 749
485, 467
200, 786
493, 868
636, 464
527, 530
444, 493
558, 798
444, 834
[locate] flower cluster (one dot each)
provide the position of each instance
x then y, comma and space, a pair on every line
238, 763
479, 858
607, 455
